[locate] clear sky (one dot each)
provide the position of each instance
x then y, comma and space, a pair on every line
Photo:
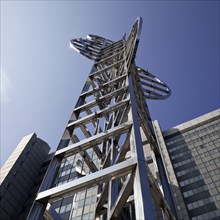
42, 77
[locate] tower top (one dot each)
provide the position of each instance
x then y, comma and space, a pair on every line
93, 47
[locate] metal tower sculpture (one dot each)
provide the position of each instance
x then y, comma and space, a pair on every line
104, 143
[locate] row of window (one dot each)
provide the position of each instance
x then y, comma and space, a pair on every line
191, 180
63, 205
65, 208
200, 203
68, 160
207, 160
194, 144
208, 157
174, 142
211, 154
181, 163
209, 140
199, 133
195, 191
180, 154
74, 167
84, 203
211, 170
71, 168
208, 126
82, 210
208, 215
206, 175
66, 172
186, 171
176, 147
87, 216
71, 159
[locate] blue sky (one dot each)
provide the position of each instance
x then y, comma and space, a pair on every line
42, 77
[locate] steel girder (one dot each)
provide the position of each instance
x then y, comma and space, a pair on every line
107, 118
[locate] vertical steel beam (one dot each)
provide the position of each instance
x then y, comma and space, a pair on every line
144, 208
165, 184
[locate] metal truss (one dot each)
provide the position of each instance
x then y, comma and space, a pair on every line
111, 117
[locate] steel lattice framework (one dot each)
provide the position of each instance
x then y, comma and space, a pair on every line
111, 120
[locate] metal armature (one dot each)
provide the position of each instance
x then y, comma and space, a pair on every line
108, 128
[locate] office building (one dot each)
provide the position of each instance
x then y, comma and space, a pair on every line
191, 153
21, 176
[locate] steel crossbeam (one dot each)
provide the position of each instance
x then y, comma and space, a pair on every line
90, 180
110, 83
109, 58
114, 65
103, 98
94, 140
100, 113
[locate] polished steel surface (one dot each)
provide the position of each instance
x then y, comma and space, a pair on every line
106, 130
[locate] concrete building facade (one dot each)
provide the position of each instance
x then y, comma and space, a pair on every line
21, 176
191, 153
